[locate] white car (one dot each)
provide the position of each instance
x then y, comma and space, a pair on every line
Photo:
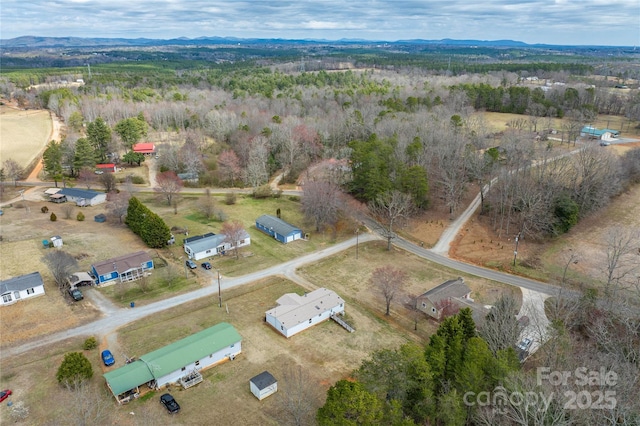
524, 344
605, 143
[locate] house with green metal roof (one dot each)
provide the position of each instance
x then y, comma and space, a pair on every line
595, 133
175, 363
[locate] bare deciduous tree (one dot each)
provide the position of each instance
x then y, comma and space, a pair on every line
60, 264
256, 172
67, 209
500, 328
320, 203
299, 396
229, 166
391, 209
622, 260
108, 181
118, 203
85, 404
86, 177
234, 233
207, 205
169, 185
388, 280
12, 170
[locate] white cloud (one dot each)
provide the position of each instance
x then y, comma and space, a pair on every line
612, 22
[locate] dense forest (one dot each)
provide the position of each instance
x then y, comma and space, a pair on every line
401, 132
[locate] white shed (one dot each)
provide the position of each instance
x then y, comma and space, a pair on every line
263, 385
56, 241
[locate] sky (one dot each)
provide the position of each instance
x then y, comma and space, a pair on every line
563, 22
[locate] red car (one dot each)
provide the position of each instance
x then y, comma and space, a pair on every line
5, 394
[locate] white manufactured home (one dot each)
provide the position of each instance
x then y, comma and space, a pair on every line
20, 288
296, 313
175, 363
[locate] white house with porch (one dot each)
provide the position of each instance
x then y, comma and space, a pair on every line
20, 288
210, 244
179, 362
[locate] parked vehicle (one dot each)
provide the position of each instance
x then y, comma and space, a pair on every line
206, 265
170, 403
605, 143
107, 357
191, 264
5, 394
76, 294
524, 345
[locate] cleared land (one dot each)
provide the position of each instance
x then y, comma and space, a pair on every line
23, 134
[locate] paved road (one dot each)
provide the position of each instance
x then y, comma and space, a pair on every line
122, 316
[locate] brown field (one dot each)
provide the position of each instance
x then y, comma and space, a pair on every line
327, 352
24, 134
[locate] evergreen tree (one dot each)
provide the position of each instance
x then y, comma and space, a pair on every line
99, 135
75, 368
85, 155
131, 130
52, 160
349, 403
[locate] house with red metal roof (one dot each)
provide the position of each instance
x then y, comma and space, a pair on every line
146, 148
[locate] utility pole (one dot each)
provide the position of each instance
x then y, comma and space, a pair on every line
219, 291
515, 252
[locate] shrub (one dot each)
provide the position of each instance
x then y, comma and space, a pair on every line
75, 368
138, 180
80, 217
263, 191
90, 343
294, 198
230, 198
44, 209
53, 217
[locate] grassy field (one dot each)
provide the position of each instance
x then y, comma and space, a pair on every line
24, 134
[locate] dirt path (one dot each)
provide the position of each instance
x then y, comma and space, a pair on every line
54, 135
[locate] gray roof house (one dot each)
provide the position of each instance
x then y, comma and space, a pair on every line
295, 313
83, 197
278, 228
210, 244
20, 288
435, 301
129, 267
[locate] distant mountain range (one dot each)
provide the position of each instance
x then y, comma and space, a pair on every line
62, 42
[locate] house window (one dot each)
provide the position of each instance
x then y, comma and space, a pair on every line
6, 298
208, 251
310, 320
232, 345
197, 363
30, 291
424, 305
241, 241
433, 310
183, 368
282, 327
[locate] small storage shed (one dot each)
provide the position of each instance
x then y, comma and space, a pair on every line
56, 241
106, 167
263, 385
278, 228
